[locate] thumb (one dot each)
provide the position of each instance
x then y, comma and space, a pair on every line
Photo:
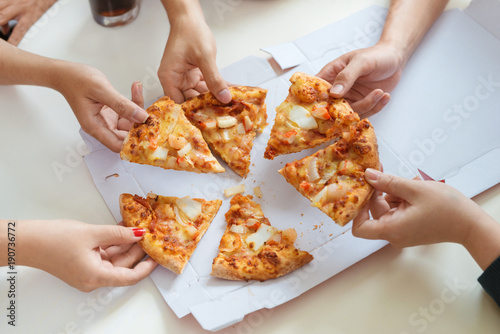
116, 235
346, 78
123, 106
392, 185
215, 83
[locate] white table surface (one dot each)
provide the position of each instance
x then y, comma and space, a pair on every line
429, 289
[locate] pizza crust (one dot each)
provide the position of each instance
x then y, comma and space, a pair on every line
276, 262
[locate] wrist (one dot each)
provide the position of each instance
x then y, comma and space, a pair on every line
183, 13
62, 72
57, 79
483, 240
394, 48
26, 230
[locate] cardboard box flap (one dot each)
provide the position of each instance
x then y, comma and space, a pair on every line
486, 13
286, 55
474, 178
249, 71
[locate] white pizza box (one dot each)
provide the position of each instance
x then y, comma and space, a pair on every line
456, 57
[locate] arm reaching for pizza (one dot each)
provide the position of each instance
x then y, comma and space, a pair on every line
188, 66
83, 255
100, 109
424, 212
366, 77
25, 12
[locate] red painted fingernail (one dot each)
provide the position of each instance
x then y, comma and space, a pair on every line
139, 232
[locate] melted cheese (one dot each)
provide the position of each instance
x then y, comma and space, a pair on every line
160, 153
256, 240
303, 118
190, 207
185, 150
225, 122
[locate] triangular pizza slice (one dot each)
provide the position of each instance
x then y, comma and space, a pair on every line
230, 128
174, 226
252, 249
168, 140
308, 117
333, 178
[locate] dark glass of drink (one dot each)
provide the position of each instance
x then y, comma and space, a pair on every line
110, 13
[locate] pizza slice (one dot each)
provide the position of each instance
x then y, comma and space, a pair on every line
333, 178
174, 226
308, 117
168, 140
251, 249
230, 128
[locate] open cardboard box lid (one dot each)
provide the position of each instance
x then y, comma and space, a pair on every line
443, 119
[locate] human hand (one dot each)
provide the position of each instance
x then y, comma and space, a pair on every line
101, 111
415, 212
83, 255
365, 77
188, 66
25, 12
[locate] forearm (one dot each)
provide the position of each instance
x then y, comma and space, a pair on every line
18, 67
4, 240
407, 23
18, 241
483, 240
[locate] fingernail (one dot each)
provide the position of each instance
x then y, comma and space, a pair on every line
372, 174
139, 232
378, 95
385, 99
224, 96
139, 115
337, 89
